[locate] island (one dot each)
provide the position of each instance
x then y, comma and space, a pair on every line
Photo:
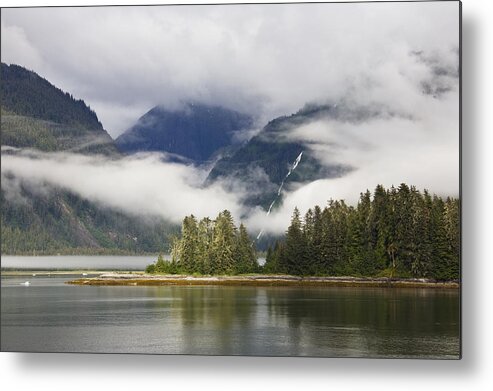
140, 279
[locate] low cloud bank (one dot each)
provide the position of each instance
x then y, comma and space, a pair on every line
140, 185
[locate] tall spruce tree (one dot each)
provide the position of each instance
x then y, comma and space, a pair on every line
309, 233
316, 242
295, 253
205, 235
189, 244
245, 253
223, 244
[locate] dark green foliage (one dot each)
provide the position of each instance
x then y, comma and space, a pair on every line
245, 251
36, 114
210, 247
272, 259
61, 222
295, 259
27, 94
273, 153
150, 269
401, 232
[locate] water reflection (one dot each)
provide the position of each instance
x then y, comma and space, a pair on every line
357, 322
302, 321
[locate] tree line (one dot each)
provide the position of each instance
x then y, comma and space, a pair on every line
26, 93
399, 232
210, 247
396, 232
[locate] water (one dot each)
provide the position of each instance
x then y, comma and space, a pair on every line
72, 262
67, 262
51, 316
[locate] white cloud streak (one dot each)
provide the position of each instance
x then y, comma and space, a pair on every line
142, 185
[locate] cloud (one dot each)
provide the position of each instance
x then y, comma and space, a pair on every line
142, 185
267, 60
422, 150
391, 69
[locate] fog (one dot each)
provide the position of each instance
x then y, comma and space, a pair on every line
140, 185
392, 67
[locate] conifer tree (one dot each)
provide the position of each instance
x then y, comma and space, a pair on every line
245, 252
223, 245
205, 236
308, 265
189, 244
295, 246
442, 257
269, 266
316, 242
400, 229
452, 227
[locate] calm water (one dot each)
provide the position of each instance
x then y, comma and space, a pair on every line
94, 262
51, 316
114, 262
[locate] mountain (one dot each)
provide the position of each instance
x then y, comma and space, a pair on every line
36, 114
195, 131
50, 220
58, 221
266, 159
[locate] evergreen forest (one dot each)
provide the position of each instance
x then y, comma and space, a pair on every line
397, 232
210, 247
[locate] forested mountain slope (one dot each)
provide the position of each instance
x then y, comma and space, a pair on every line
272, 152
36, 114
50, 220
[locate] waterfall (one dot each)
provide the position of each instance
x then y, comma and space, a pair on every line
291, 169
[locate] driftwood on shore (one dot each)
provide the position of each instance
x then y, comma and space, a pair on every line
260, 280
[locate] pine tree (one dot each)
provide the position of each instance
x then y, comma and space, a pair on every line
223, 244
340, 215
245, 253
422, 246
326, 254
403, 228
189, 244
269, 266
308, 228
452, 228
205, 237
357, 256
295, 252
316, 242
442, 256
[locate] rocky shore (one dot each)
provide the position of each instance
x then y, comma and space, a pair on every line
133, 279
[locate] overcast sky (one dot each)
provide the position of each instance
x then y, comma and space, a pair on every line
400, 59
265, 59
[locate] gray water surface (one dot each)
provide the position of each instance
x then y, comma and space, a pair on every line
71, 262
50, 316
86, 262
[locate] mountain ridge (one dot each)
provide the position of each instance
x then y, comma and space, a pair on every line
37, 114
195, 131
274, 154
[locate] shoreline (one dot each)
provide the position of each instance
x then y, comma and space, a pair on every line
134, 279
